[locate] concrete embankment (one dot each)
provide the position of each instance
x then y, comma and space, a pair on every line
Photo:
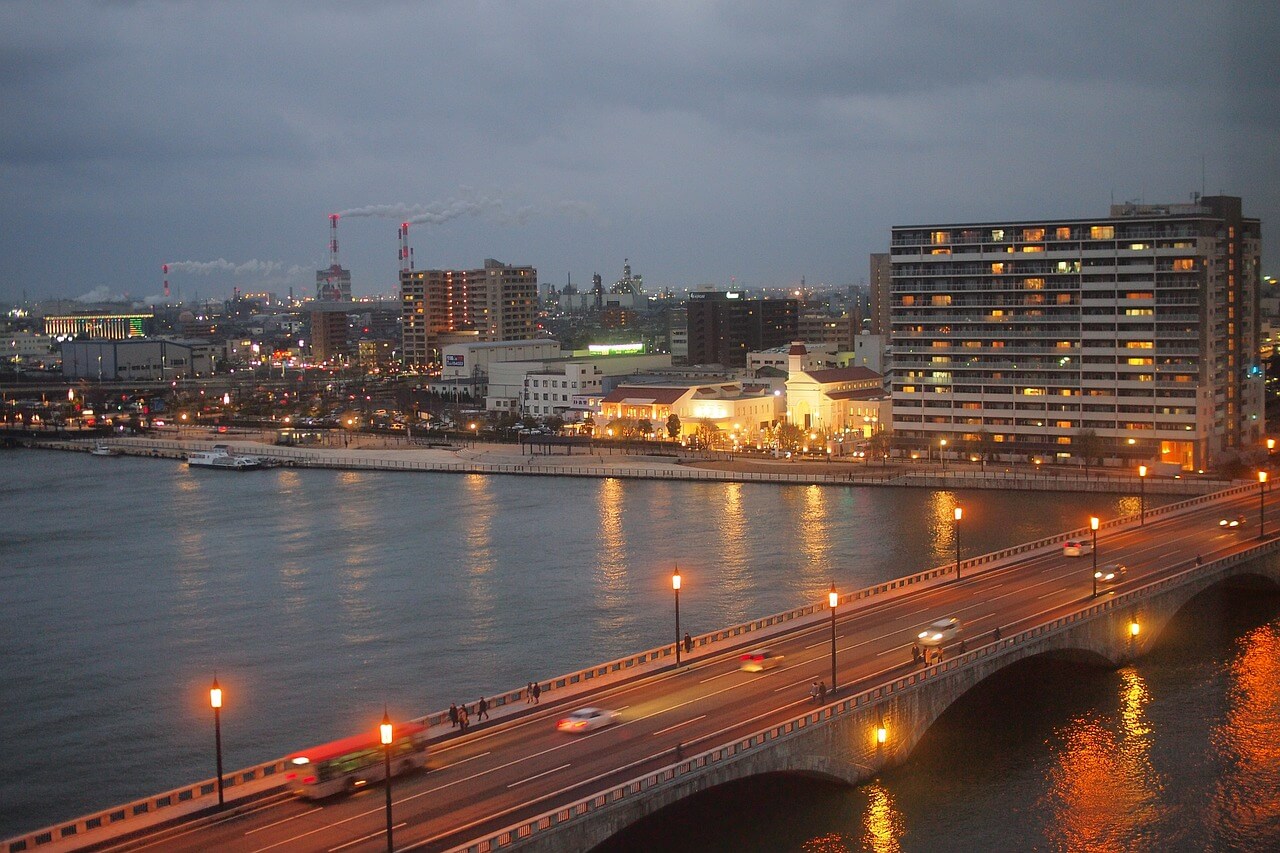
507, 459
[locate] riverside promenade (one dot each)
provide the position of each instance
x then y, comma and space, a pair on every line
378, 453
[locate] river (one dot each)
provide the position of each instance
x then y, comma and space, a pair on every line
318, 596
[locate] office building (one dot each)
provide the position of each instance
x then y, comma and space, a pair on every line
725, 325
1128, 338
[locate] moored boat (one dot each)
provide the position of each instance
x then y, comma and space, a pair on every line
104, 450
224, 459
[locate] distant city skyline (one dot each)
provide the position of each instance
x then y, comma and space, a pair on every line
715, 144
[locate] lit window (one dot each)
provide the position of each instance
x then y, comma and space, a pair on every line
1033, 248
1032, 233
940, 252
997, 268
937, 237
1063, 233
1033, 283
1102, 232
1184, 264
997, 235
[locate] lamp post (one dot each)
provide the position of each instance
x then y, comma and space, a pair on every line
215, 702
1262, 502
385, 737
1093, 525
959, 515
1142, 495
833, 598
942, 453
675, 585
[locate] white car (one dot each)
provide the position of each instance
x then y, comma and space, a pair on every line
940, 632
586, 720
1109, 574
1077, 547
1232, 522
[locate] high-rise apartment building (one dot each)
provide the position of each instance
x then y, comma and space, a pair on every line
725, 326
496, 303
1132, 337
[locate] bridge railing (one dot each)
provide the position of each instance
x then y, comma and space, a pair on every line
626, 667
872, 696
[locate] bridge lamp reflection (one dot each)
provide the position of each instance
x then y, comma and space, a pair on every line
882, 734
1134, 628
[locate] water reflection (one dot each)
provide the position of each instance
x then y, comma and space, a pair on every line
815, 538
480, 558
1248, 741
734, 570
612, 589
882, 824
1103, 790
356, 543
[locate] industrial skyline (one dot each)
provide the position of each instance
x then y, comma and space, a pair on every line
711, 144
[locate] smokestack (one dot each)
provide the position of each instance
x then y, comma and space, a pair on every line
333, 240
165, 267
405, 264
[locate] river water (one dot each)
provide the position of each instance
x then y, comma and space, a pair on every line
318, 596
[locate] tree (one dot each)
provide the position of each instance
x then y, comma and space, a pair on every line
879, 444
984, 444
790, 436
1088, 446
673, 426
645, 426
555, 423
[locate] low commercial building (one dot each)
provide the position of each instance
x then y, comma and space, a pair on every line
836, 400
147, 359
728, 407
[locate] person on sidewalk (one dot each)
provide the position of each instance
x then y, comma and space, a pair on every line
482, 710
537, 692
813, 693
453, 715
688, 644
822, 692
462, 719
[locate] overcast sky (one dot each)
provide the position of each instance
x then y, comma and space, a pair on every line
706, 142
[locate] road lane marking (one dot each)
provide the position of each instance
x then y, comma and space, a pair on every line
377, 834
286, 820
540, 775
678, 725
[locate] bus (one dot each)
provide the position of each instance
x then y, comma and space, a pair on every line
352, 763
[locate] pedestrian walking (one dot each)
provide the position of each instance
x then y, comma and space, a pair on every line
964, 647
915, 654
462, 719
482, 710
995, 635
453, 715
822, 692
537, 691
528, 694
688, 644
813, 692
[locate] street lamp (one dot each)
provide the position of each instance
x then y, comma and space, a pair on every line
942, 453
1142, 495
1262, 502
215, 702
385, 737
959, 515
675, 585
1093, 525
833, 598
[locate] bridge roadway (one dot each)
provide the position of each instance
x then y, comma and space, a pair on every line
521, 767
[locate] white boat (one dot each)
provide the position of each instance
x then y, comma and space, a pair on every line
223, 458
104, 450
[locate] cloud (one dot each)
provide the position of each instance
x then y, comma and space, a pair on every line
252, 267
493, 208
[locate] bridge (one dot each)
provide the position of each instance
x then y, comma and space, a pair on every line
516, 783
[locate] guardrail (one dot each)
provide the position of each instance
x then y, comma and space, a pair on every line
794, 618
790, 728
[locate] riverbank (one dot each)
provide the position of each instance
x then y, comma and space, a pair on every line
393, 453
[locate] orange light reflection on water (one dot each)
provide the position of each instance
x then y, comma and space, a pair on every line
1247, 742
1103, 788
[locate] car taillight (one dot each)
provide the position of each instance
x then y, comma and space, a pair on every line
290, 776
309, 780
